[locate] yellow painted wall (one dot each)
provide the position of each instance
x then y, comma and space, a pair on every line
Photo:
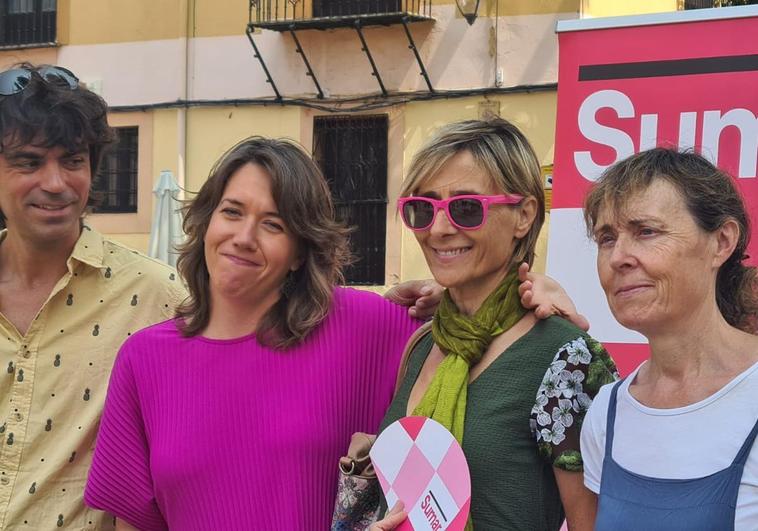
111, 21
108, 21
213, 18
166, 141
533, 113
611, 8
509, 8
213, 130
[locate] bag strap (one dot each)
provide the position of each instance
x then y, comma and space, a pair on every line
413, 342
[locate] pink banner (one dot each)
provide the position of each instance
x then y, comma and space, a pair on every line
651, 81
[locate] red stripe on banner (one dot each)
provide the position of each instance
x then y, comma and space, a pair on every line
627, 355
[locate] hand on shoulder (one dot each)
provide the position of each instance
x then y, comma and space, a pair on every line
546, 297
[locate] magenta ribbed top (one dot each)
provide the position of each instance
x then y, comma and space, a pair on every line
202, 434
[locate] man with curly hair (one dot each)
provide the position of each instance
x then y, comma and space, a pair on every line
68, 297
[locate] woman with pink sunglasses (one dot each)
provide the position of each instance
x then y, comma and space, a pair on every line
511, 388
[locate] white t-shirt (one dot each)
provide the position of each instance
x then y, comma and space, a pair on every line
681, 443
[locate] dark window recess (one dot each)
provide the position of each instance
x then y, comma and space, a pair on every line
698, 4
704, 4
341, 8
352, 153
116, 184
27, 22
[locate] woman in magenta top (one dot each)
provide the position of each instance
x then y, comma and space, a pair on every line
234, 415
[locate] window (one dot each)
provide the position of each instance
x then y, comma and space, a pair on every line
341, 8
116, 183
27, 22
17, 7
352, 153
704, 4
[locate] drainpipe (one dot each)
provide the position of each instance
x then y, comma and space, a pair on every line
181, 125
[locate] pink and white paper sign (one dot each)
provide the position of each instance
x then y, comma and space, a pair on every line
418, 461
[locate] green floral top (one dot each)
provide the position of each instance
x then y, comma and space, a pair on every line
578, 371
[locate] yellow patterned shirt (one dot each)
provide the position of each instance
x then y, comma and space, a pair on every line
53, 380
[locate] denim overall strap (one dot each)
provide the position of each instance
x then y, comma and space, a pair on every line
629, 501
741, 457
611, 420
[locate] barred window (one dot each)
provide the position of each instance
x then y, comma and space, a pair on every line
116, 183
341, 8
352, 153
27, 22
705, 4
20, 6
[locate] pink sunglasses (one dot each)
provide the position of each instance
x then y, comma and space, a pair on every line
466, 212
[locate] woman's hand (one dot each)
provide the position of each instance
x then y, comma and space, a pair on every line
546, 297
421, 296
393, 519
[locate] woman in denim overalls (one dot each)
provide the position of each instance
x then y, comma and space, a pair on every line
671, 447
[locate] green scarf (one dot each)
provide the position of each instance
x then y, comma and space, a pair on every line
464, 340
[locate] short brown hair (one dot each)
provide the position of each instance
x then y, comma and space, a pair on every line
305, 204
711, 198
500, 149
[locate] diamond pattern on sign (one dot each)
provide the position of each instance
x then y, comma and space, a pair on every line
431, 477
460, 521
413, 425
428, 441
416, 473
382, 480
436, 506
385, 453
391, 498
449, 471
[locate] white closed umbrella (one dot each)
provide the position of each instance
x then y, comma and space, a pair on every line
166, 231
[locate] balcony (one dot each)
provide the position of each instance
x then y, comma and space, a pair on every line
27, 23
285, 15
705, 4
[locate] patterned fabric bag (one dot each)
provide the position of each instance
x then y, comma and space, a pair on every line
358, 490
358, 498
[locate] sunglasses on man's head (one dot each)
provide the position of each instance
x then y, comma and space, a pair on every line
16, 80
466, 212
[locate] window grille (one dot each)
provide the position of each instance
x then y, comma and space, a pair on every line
352, 153
698, 4
704, 4
341, 8
116, 184
27, 22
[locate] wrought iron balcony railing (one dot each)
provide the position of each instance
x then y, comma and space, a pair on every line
704, 4
698, 4
283, 15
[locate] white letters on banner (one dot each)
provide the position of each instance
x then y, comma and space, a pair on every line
714, 123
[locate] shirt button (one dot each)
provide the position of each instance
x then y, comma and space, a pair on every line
4, 480
26, 354
19, 417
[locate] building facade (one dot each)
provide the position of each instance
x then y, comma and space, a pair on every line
360, 83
